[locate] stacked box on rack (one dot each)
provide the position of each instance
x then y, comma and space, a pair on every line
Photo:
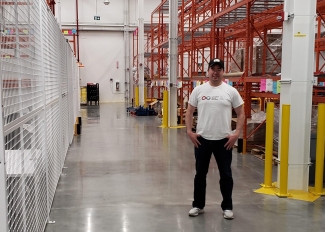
93, 93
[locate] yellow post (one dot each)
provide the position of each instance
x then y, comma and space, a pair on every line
284, 158
244, 146
320, 143
136, 97
165, 109
145, 97
269, 145
75, 129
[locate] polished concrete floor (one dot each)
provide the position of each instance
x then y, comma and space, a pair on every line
125, 174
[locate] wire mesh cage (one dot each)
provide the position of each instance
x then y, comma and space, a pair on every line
40, 101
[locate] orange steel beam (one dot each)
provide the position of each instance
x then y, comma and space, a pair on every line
246, 93
268, 21
220, 13
152, 71
256, 129
226, 49
265, 44
321, 4
181, 59
251, 42
318, 41
272, 12
259, 25
213, 34
323, 64
264, 53
158, 7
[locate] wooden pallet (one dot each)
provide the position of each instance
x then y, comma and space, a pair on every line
260, 154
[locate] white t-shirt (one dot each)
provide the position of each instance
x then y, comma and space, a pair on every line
214, 105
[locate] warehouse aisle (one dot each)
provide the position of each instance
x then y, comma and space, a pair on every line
124, 174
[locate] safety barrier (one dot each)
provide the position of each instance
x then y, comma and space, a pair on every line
285, 127
165, 109
320, 144
269, 145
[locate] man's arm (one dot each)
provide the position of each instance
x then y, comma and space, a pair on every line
239, 126
189, 118
240, 119
189, 123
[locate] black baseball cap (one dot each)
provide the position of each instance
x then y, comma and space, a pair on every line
216, 61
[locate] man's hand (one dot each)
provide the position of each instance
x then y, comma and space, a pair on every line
231, 141
193, 136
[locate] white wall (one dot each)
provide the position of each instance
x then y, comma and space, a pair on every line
149, 7
102, 41
99, 53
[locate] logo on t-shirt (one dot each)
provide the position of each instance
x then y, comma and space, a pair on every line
212, 98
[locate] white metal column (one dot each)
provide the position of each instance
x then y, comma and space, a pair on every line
296, 85
172, 62
141, 52
127, 51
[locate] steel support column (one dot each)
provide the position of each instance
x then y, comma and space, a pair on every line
296, 89
173, 62
127, 52
141, 52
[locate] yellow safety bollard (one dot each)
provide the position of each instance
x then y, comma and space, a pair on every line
165, 109
244, 146
136, 97
77, 126
269, 145
145, 98
284, 162
320, 143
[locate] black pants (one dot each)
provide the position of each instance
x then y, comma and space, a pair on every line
223, 157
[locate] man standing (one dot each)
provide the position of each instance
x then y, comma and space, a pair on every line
214, 101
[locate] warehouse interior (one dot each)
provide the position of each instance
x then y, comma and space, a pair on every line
94, 97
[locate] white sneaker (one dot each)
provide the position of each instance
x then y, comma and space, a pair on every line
228, 214
195, 212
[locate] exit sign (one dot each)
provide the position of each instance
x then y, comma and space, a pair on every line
96, 17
